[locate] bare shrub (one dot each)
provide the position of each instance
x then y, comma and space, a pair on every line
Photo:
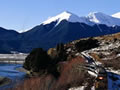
37, 83
72, 75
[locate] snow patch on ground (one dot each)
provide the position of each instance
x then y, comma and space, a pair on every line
81, 88
113, 71
77, 88
92, 73
13, 56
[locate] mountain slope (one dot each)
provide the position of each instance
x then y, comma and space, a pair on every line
101, 18
9, 40
7, 34
62, 28
49, 35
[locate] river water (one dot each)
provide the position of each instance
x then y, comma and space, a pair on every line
9, 71
113, 81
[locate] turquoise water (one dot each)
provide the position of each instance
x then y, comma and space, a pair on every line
9, 70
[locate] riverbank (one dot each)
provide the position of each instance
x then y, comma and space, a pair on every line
21, 69
10, 76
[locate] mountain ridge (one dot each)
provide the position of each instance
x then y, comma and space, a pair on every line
50, 34
91, 19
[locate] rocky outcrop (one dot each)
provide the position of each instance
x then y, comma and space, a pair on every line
4, 81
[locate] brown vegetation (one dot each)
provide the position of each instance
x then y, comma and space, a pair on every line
36, 83
111, 37
113, 63
72, 74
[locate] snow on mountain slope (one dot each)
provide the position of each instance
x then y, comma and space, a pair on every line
116, 15
91, 19
66, 16
101, 18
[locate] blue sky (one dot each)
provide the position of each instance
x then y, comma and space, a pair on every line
24, 14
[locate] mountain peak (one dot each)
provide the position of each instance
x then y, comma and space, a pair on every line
101, 18
66, 12
116, 15
91, 19
95, 13
94, 16
66, 15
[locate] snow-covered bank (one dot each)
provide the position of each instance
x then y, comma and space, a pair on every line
13, 58
81, 88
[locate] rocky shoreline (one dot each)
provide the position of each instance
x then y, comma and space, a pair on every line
4, 81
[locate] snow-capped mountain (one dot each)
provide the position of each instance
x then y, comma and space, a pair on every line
70, 17
91, 19
66, 27
62, 28
101, 18
116, 15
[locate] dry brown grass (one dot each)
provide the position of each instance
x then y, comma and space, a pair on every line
36, 83
109, 37
72, 74
113, 63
